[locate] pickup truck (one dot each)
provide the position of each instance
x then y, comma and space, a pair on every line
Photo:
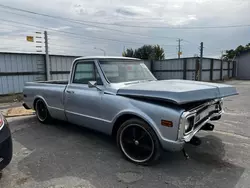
120, 97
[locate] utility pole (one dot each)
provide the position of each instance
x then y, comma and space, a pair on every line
179, 48
201, 57
47, 55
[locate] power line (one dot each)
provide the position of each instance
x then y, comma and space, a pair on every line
58, 45
78, 22
124, 25
49, 38
65, 36
66, 49
189, 42
65, 46
75, 34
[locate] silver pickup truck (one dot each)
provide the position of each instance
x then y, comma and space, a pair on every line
119, 96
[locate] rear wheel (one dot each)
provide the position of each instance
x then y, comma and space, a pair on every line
138, 142
42, 112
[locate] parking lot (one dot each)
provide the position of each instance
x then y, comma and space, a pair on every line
62, 155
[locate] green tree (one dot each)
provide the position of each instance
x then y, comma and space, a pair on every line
149, 52
128, 53
230, 54
159, 52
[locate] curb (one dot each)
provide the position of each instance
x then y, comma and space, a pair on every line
7, 113
21, 115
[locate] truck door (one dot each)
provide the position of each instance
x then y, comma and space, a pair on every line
82, 104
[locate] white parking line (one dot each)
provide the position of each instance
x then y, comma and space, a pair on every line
232, 134
244, 181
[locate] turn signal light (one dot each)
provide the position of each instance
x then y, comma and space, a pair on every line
166, 123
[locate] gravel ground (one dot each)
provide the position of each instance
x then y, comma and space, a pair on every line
66, 156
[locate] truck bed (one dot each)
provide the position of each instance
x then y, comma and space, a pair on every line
51, 91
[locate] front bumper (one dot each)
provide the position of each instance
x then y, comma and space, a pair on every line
212, 110
6, 148
189, 136
178, 145
184, 137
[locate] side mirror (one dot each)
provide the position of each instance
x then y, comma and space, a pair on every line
92, 84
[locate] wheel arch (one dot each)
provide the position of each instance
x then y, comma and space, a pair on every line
36, 99
121, 118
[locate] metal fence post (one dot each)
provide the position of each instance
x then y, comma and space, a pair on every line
197, 69
184, 69
234, 69
152, 67
211, 69
47, 60
221, 70
228, 69
201, 57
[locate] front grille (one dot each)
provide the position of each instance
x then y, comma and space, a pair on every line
202, 114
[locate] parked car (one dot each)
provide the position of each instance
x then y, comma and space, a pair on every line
119, 96
5, 143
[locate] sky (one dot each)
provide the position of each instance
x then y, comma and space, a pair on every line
85, 27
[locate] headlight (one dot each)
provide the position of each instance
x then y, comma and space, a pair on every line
189, 124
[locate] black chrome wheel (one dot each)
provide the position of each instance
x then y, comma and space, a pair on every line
138, 142
42, 111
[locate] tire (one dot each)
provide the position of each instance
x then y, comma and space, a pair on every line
141, 146
42, 112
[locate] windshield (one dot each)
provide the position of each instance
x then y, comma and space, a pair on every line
125, 71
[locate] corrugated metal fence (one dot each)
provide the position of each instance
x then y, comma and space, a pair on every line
60, 67
18, 68
189, 69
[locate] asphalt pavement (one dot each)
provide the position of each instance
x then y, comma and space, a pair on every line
62, 155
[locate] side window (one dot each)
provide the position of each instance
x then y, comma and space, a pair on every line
85, 72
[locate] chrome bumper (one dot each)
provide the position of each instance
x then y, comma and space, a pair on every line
187, 136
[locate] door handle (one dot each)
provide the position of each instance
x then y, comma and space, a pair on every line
68, 91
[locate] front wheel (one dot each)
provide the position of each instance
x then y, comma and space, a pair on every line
42, 112
138, 142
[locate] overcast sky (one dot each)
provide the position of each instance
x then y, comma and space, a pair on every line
167, 20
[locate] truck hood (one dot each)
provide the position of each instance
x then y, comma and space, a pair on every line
177, 91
